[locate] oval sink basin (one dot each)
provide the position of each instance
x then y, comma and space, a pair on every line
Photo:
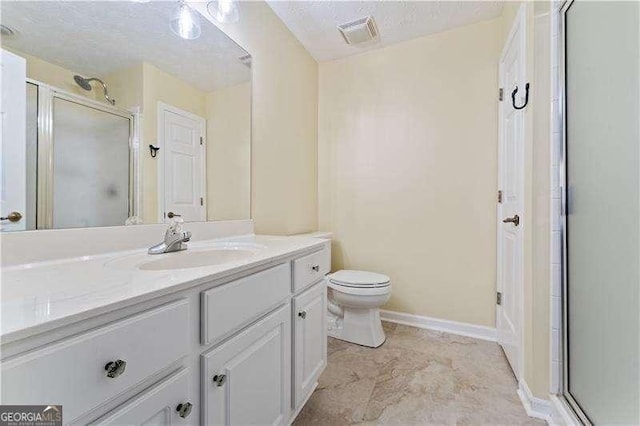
190, 258
196, 259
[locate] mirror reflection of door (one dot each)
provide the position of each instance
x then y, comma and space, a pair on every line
13, 193
181, 171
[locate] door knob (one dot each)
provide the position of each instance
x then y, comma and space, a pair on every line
515, 220
12, 217
171, 215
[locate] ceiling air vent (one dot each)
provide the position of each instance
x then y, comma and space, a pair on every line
245, 60
359, 31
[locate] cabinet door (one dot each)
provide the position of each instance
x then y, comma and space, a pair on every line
247, 380
310, 339
167, 403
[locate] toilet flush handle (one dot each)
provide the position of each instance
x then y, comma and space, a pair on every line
302, 314
316, 268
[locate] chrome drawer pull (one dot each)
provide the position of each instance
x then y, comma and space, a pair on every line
316, 268
302, 314
220, 379
115, 368
184, 409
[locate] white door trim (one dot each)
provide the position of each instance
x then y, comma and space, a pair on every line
162, 108
517, 29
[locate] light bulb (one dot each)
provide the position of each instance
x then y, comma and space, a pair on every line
185, 22
224, 11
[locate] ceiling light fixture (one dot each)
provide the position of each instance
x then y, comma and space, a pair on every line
185, 22
224, 11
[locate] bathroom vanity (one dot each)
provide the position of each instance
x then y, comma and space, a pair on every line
230, 331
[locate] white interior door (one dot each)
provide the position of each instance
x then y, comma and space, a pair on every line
511, 196
13, 114
181, 170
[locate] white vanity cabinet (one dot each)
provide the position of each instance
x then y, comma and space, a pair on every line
246, 348
246, 380
310, 340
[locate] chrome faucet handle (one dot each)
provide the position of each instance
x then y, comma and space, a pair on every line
174, 239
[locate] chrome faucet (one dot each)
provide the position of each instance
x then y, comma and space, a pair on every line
174, 239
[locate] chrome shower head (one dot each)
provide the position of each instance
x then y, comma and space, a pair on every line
85, 83
82, 82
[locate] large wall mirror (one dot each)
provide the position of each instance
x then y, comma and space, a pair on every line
112, 116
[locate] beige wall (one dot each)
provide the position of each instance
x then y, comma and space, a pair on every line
125, 86
408, 169
229, 152
284, 123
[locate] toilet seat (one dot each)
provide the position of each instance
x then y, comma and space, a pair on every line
359, 279
361, 283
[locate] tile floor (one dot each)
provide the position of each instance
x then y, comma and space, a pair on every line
417, 377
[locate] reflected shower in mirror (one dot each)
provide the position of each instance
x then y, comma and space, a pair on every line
115, 113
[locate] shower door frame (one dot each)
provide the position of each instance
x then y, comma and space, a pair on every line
565, 395
46, 96
562, 82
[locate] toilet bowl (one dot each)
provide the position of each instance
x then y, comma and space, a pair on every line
353, 306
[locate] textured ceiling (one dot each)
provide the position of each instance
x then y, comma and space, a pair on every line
314, 22
95, 38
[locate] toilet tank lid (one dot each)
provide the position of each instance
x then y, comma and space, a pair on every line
358, 277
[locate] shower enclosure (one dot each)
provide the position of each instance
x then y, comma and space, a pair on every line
80, 161
601, 69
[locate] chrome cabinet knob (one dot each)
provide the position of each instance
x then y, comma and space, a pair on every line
184, 409
515, 220
220, 379
12, 217
316, 268
302, 314
115, 368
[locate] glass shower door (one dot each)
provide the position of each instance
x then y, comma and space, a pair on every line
602, 327
90, 166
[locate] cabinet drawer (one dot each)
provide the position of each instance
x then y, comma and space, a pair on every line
309, 269
72, 372
234, 305
158, 405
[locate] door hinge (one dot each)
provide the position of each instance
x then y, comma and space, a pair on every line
499, 298
500, 196
201, 201
201, 141
501, 94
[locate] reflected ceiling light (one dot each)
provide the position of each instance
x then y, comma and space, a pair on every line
224, 11
185, 22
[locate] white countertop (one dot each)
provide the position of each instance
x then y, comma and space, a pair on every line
37, 297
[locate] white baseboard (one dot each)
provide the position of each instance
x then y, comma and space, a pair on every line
535, 407
470, 330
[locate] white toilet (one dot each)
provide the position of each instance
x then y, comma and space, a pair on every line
353, 304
